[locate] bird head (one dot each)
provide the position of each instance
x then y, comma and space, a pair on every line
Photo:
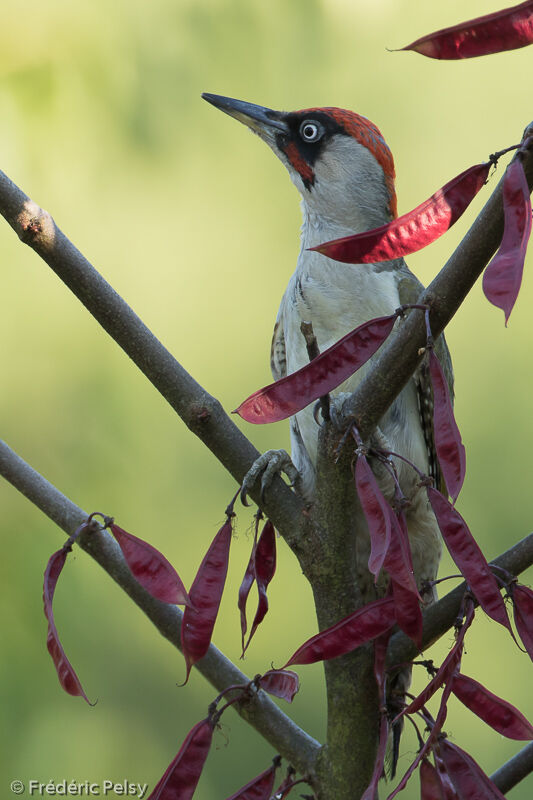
338, 160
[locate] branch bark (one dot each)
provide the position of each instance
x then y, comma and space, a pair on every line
310, 535
201, 412
261, 713
400, 355
440, 617
353, 725
515, 770
304, 752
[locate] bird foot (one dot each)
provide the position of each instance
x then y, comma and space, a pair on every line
382, 467
271, 463
338, 416
345, 422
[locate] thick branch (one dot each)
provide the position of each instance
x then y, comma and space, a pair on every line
353, 720
515, 770
201, 412
205, 417
440, 617
353, 717
261, 713
401, 354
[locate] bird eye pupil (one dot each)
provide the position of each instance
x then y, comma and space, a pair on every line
310, 131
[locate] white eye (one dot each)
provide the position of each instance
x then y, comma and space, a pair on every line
311, 131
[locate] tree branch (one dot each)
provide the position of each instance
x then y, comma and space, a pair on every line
201, 412
515, 770
307, 534
353, 723
261, 713
400, 355
440, 617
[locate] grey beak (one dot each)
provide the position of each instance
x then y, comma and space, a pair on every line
260, 119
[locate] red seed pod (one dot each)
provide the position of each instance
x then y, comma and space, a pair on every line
389, 547
523, 615
150, 568
264, 569
507, 29
398, 563
430, 783
246, 585
285, 788
259, 788
408, 613
414, 230
205, 595
65, 672
467, 555
447, 785
287, 785
244, 591
450, 664
398, 560
450, 449
284, 398
362, 626
282, 683
376, 511
183, 773
503, 276
496, 712
466, 775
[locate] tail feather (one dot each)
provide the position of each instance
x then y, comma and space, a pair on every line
397, 688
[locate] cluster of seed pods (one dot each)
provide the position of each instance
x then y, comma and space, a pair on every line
155, 573
373, 622
454, 769
410, 232
453, 772
181, 777
389, 546
159, 578
260, 570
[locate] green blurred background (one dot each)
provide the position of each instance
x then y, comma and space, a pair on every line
196, 224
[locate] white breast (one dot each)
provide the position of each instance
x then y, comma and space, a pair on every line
336, 298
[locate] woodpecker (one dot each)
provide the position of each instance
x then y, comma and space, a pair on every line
344, 172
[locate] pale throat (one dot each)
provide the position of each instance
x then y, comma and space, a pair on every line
340, 220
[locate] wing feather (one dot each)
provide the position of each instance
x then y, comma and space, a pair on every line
278, 358
410, 288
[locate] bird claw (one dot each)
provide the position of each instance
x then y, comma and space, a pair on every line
338, 416
269, 464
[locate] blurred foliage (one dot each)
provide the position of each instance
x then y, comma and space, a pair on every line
191, 219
